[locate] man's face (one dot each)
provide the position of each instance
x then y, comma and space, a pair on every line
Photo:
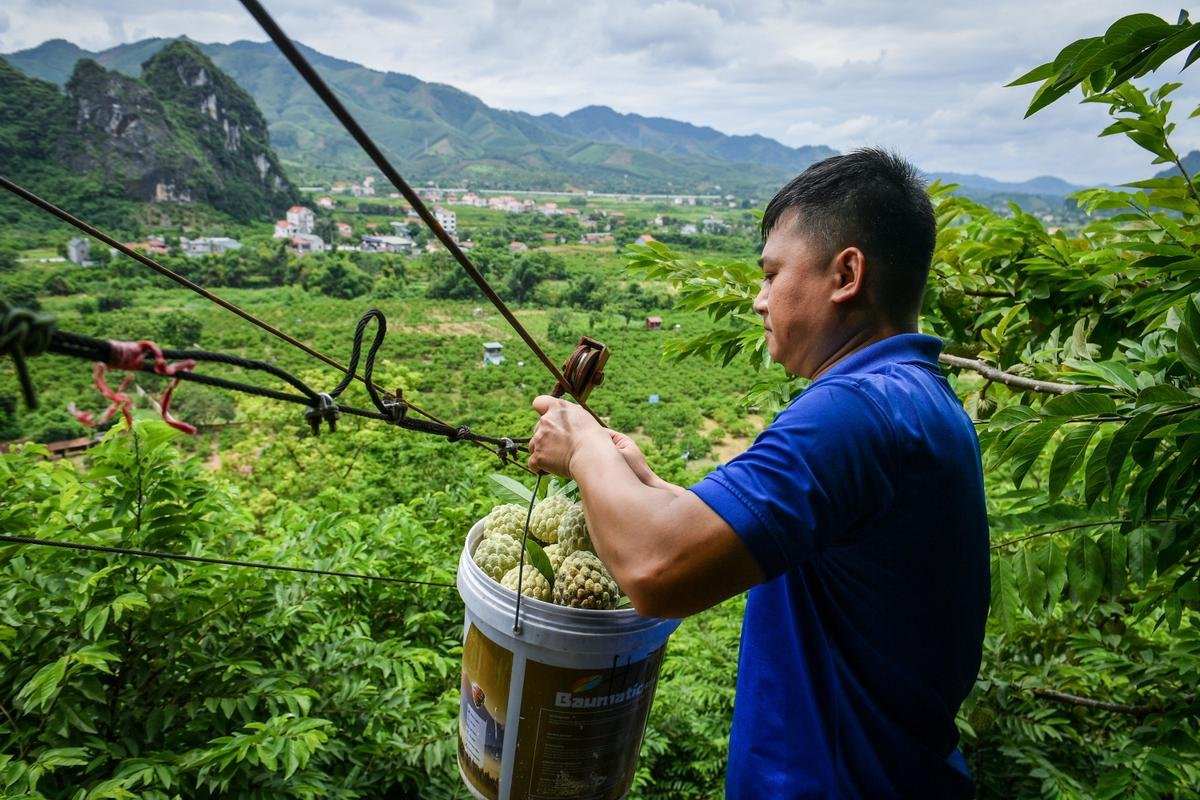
795, 298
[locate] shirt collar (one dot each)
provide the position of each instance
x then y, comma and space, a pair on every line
901, 348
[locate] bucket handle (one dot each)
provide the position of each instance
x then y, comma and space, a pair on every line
521, 564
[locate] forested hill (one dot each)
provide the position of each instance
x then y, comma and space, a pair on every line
437, 132
184, 131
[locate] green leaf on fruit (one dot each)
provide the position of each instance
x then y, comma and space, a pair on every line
512, 489
539, 559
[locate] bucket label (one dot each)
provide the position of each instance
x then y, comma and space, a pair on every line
483, 707
581, 729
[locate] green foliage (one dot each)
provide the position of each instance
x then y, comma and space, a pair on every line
139, 677
180, 329
1132, 47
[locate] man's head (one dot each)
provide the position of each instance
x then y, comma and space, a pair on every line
848, 246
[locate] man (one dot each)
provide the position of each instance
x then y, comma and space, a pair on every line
857, 516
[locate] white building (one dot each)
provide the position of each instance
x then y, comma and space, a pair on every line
493, 353
307, 243
387, 244
300, 219
79, 251
448, 220
207, 245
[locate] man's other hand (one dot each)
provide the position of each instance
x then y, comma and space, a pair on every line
563, 431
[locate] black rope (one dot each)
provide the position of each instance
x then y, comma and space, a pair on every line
24, 333
87, 347
125, 551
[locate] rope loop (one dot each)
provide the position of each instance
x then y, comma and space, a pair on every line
24, 333
462, 432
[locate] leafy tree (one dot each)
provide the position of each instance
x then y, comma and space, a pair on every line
180, 329
587, 291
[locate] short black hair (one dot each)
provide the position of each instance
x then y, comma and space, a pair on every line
873, 200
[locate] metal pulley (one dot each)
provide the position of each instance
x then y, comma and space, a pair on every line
583, 371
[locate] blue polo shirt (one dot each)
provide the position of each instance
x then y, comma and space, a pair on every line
863, 505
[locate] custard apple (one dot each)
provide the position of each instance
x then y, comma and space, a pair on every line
508, 519
583, 582
533, 582
546, 517
556, 555
573, 532
496, 555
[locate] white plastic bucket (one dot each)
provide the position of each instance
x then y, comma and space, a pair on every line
557, 709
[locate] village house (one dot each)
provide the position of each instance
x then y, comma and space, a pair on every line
153, 246
518, 247
507, 203
305, 243
387, 244
325, 202
300, 220
597, 238
688, 229
207, 245
645, 238
448, 220
79, 251
713, 225
344, 229
472, 199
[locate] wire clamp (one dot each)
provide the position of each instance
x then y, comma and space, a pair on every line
326, 411
394, 406
507, 450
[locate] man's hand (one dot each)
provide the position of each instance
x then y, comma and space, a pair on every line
561, 434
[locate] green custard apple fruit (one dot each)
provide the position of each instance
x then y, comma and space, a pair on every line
507, 519
533, 583
546, 517
583, 582
496, 555
573, 532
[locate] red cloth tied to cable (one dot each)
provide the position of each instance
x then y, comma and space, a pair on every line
131, 357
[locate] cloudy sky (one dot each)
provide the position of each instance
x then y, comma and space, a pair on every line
924, 78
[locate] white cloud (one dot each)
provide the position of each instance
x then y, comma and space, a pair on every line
926, 79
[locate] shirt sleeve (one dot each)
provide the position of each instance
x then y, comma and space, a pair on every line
824, 468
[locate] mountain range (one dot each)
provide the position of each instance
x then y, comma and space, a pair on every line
435, 132
183, 131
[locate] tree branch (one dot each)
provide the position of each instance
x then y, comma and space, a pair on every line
1007, 378
1102, 705
988, 293
1077, 526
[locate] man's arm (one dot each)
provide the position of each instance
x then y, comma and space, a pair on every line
670, 553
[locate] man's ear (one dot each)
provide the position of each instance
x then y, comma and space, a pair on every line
850, 272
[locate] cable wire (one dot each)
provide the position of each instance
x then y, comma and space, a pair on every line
126, 551
318, 85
